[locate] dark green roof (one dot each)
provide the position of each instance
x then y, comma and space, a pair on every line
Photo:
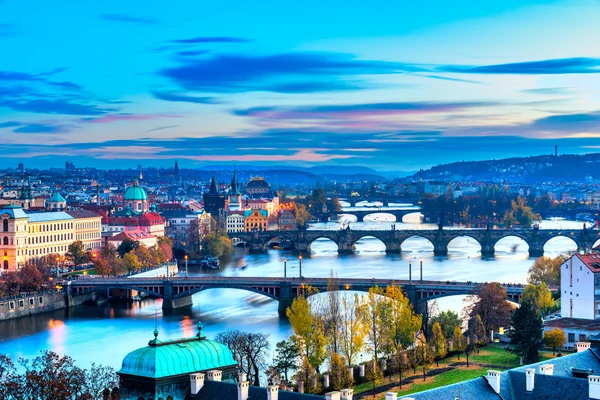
177, 357
56, 198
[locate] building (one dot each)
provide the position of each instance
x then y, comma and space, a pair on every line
194, 368
142, 237
56, 202
235, 221
214, 201
257, 186
25, 236
287, 221
255, 220
567, 377
235, 196
163, 368
579, 281
135, 199
88, 228
180, 222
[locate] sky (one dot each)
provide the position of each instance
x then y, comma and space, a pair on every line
391, 85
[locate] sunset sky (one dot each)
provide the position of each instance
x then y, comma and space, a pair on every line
393, 85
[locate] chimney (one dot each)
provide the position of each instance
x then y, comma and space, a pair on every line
347, 394
332, 396
594, 384
272, 392
493, 378
241, 377
582, 346
361, 372
547, 369
391, 396
214, 375
243, 389
529, 379
196, 383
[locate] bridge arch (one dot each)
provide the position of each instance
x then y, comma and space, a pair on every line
324, 244
468, 243
376, 216
132, 287
511, 244
416, 243
412, 218
561, 242
196, 290
376, 244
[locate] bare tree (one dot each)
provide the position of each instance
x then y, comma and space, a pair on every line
250, 350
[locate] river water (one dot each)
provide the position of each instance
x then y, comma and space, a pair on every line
106, 334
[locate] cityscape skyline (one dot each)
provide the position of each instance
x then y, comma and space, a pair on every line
393, 87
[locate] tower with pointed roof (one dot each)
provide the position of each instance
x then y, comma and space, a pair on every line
26, 197
214, 201
235, 196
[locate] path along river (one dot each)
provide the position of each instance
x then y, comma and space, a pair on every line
106, 334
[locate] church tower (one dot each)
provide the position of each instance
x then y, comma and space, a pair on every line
235, 196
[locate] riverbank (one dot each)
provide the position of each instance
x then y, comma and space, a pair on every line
26, 305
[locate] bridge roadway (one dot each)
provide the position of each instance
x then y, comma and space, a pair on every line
346, 239
177, 291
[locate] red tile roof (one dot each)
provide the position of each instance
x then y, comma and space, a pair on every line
592, 261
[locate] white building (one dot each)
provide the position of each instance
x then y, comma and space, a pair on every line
580, 286
235, 221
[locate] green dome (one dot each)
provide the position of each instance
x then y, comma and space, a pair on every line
177, 357
135, 193
56, 198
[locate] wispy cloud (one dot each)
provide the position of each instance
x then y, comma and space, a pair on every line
551, 90
9, 124
211, 39
43, 106
446, 78
161, 128
581, 65
108, 118
174, 96
128, 19
42, 128
302, 72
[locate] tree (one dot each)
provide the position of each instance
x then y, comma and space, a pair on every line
458, 341
439, 342
130, 262
332, 312
526, 332
309, 334
31, 278
217, 244
302, 214
145, 256
353, 330
193, 236
339, 376
307, 374
539, 296
286, 358
400, 362
477, 332
250, 350
126, 246
448, 320
491, 306
77, 252
546, 270
554, 339
12, 282
102, 266
400, 325
372, 313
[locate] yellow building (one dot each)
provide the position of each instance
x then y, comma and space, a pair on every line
255, 220
26, 236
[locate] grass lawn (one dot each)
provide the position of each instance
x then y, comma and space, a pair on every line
492, 356
90, 271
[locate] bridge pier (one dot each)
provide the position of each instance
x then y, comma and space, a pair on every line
393, 247
536, 251
301, 246
487, 249
360, 217
286, 297
170, 302
440, 248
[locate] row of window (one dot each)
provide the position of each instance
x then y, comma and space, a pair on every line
50, 238
88, 225
11, 305
50, 227
88, 235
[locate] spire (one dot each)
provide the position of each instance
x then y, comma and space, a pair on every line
235, 191
176, 169
213, 186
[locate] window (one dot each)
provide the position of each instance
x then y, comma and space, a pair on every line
31, 301
5, 241
6, 264
571, 338
11, 305
21, 303
40, 300
582, 337
5, 225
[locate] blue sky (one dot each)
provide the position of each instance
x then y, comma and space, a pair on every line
394, 85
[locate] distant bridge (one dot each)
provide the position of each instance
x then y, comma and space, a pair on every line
361, 214
177, 291
345, 239
385, 200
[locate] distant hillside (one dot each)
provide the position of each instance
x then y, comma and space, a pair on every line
564, 168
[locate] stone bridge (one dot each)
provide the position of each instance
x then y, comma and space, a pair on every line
361, 214
177, 291
346, 239
385, 200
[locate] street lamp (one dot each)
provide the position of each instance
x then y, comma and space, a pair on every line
285, 269
186, 265
421, 262
410, 272
300, 259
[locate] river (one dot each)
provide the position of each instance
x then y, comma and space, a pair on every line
106, 334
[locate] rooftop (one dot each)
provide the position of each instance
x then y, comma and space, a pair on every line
49, 216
